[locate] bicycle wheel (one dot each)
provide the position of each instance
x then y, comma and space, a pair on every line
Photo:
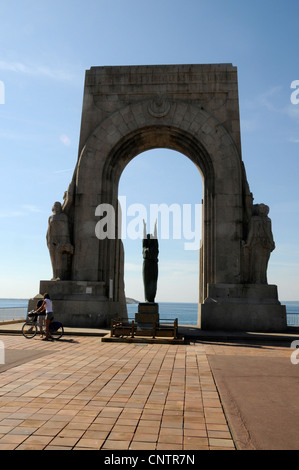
29, 330
56, 330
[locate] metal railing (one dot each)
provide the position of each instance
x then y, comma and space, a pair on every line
293, 319
12, 313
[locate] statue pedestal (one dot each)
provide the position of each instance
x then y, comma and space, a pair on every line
242, 307
82, 304
148, 313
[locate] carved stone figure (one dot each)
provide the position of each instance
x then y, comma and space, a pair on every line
259, 245
68, 198
58, 241
150, 264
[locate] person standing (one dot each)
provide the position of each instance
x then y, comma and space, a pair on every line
41, 318
48, 307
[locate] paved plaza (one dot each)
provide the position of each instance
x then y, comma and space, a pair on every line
81, 393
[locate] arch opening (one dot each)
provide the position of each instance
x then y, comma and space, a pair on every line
164, 137
162, 184
173, 139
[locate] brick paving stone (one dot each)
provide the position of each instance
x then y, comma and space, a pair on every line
121, 436
12, 439
64, 441
39, 440
163, 446
45, 431
173, 432
11, 422
214, 442
142, 436
6, 429
170, 439
127, 422
89, 395
25, 446
90, 443
116, 445
50, 447
124, 428
7, 446
32, 423
23, 430
219, 434
144, 425
196, 433
135, 445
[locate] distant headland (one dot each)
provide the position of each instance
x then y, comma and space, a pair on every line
131, 301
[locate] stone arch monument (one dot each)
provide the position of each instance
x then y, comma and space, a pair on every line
192, 109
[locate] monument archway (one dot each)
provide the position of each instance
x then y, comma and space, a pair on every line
190, 109
169, 197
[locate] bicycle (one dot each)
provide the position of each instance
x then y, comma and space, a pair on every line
31, 328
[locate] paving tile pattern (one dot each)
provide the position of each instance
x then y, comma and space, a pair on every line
87, 395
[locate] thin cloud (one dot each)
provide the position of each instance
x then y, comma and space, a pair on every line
65, 140
31, 208
133, 267
19, 136
292, 111
24, 210
266, 99
35, 70
269, 100
9, 214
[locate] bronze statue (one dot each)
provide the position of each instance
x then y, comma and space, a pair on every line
150, 264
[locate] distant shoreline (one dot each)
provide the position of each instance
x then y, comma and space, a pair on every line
129, 300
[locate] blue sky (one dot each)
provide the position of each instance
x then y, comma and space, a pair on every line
45, 48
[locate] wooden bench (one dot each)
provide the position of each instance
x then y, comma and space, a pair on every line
122, 328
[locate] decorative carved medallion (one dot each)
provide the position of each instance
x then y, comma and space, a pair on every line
159, 107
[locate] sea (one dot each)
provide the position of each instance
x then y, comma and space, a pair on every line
186, 313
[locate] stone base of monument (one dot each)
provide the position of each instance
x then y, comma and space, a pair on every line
148, 313
81, 304
242, 307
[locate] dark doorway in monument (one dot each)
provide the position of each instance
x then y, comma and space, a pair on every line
162, 185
